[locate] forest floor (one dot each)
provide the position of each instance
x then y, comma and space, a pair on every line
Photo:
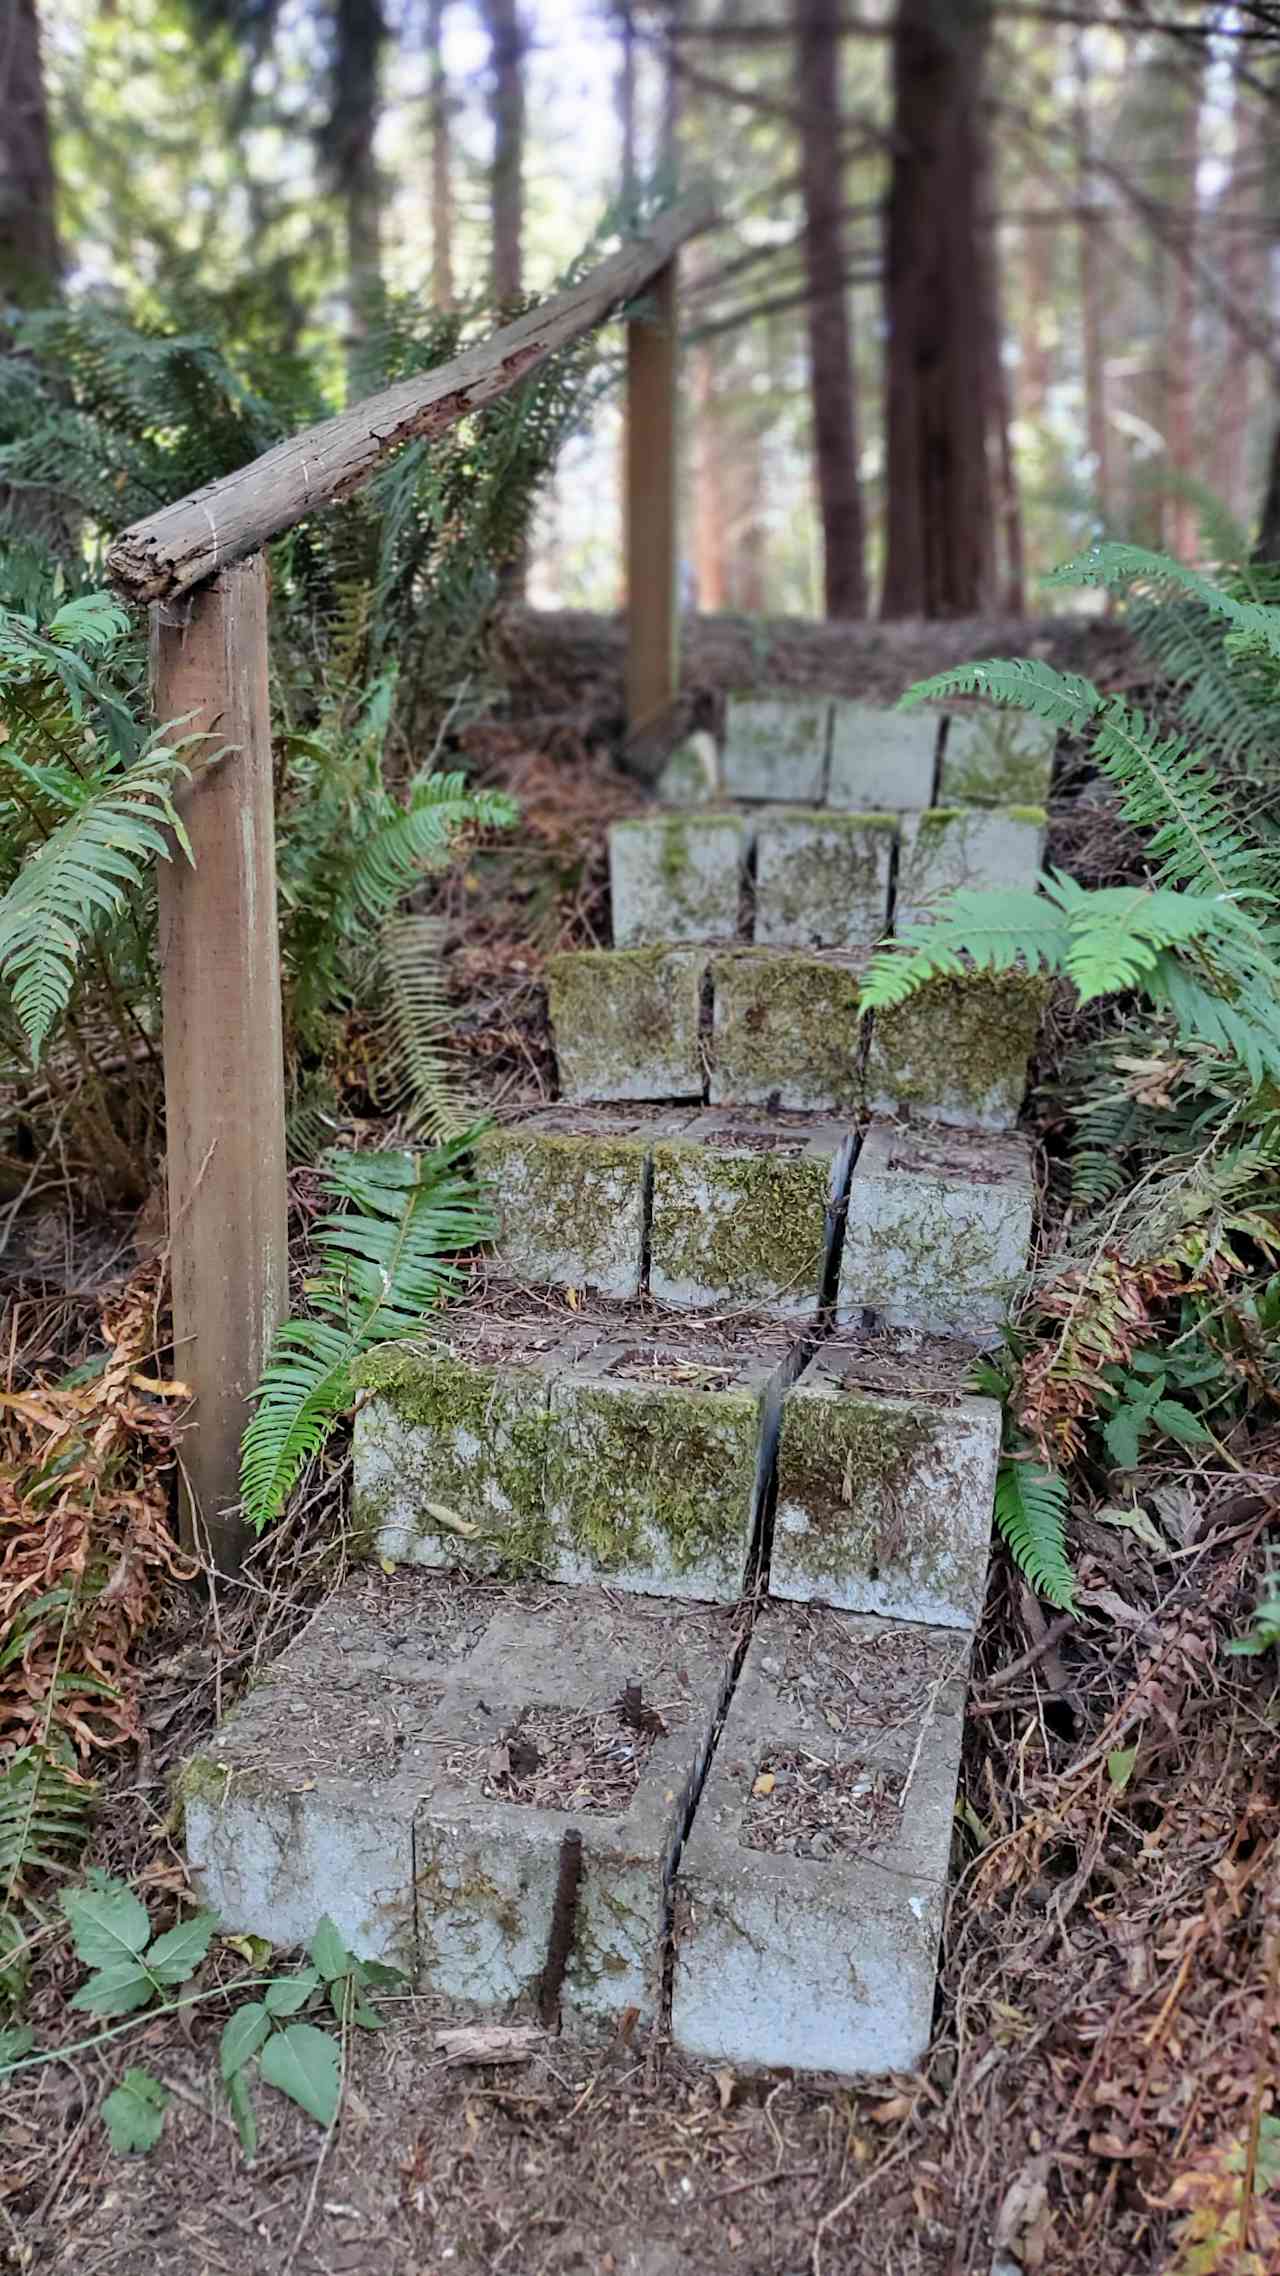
1106, 2000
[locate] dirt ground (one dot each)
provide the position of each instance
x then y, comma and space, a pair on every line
1107, 2044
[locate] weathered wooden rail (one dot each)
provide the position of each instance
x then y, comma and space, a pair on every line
200, 567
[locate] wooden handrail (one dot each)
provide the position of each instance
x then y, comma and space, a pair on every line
169, 552
219, 947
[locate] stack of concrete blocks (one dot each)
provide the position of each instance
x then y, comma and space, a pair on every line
701, 1439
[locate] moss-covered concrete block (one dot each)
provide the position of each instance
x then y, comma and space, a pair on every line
811, 1888
533, 1744
745, 1211
822, 879
775, 747
676, 877
450, 1442
660, 1454
954, 846
691, 775
624, 1023
997, 757
785, 1031
958, 1050
569, 1188
884, 1504
881, 760
937, 1231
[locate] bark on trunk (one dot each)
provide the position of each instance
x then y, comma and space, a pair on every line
30, 255
710, 507
442, 285
1267, 548
940, 544
1244, 265
832, 383
1181, 518
360, 33
506, 177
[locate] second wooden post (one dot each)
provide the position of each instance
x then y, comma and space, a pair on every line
223, 1049
652, 531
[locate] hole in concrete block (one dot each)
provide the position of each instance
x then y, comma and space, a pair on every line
565, 1758
803, 1805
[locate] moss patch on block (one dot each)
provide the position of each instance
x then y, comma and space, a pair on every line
997, 757
458, 1434
568, 1187
676, 877
775, 747
958, 1050
822, 880
884, 1505
937, 1230
954, 846
785, 1031
881, 760
625, 1023
651, 1486
744, 1212
691, 776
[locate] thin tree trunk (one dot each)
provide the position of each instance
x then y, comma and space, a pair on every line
1035, 361
1092, 257
710, 505
940, 545
1181, 518
1244, 269
832, 382
360, 33
626, 101
506, 178
1267, 549
30, 255
442, 284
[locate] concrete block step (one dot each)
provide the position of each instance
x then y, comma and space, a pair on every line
886, 1471
810, 1890
821, 879
955, 846
570, 1186
627, 1023
808, 750
882, 758
436, 1762
959, 1049
677, 877
776, 747
784, 876
938, 1229
995, 757
613, 1444
784, 1030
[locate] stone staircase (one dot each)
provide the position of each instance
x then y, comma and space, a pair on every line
648, 1695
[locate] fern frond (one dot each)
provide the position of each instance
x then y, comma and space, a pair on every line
994, 929
415, 1058
1194, 837
1117, 932
1031, 1510
45, 1818
1113, 563
419, 837
78, 876
1064, 699
390, 1250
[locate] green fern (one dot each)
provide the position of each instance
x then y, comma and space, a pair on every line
1113, 564
46, 1816
1031, 1511
1064, 699
389, 1250
415, 1059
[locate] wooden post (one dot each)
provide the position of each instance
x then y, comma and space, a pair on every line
653, 600
223, 1051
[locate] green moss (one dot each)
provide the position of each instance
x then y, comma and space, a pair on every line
961, 1042
566, 1201
203, 1779
844, 1463
614, 1011
748, 1226
478, 1448
999, 760
641, 1477
1034, 815
823, 878
786, 1023
936, 819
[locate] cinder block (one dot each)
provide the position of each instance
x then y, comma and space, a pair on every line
884, 1503
530, 1745
450, 1440
997, 757
881, 760
660, 1454
625, 1023
691, 775
822, 879
427, 1818
569, 1186
956, 846
810, 1891
676, 877
958, 1050
744, 1211
785, 1031
775, 747
937, 1231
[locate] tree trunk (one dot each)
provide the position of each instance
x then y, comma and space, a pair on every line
1181, 518
710, 505
359, 36
30, 255
1267, 549
626, 101
1244, 267
506, 176
940, 533
831, 374
442, 285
